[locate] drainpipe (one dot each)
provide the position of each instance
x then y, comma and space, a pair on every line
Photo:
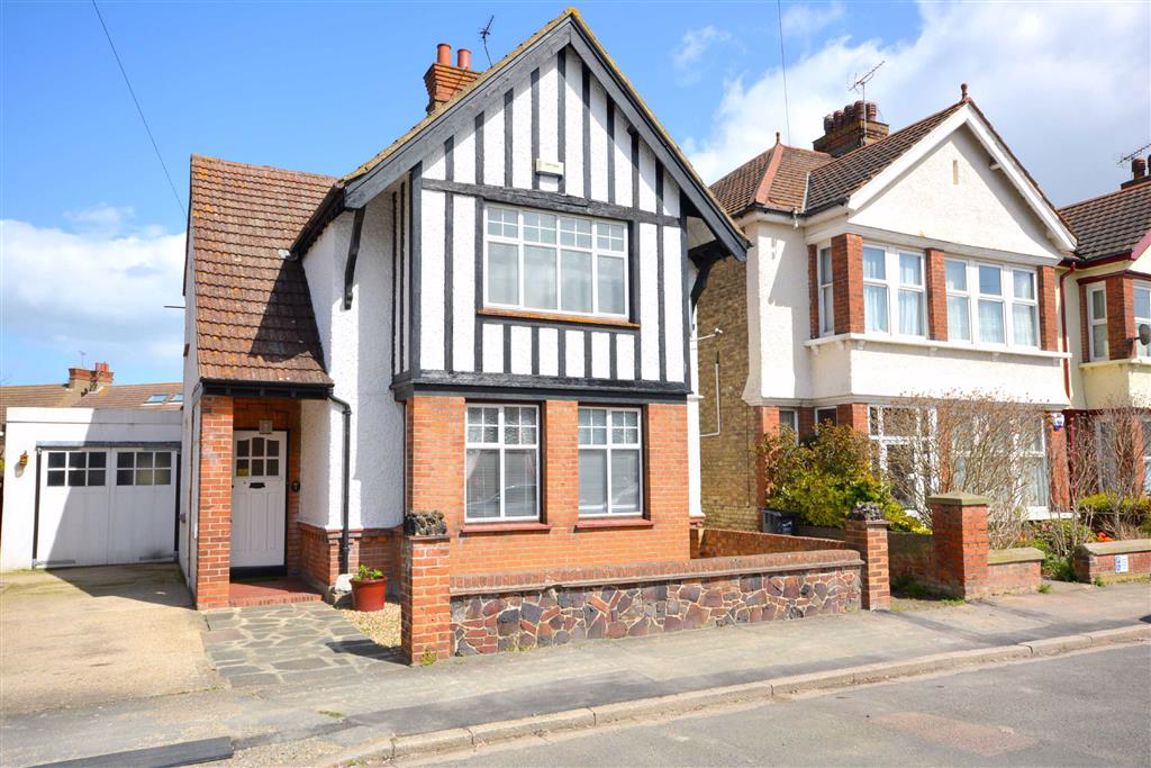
1066, 339
345, 509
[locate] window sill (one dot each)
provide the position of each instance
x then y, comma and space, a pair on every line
472, 529
556, 317
595, 523
1133, 362
860, 340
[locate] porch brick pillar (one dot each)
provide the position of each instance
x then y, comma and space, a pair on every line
425, 602
869, 539
214, 527
960, 544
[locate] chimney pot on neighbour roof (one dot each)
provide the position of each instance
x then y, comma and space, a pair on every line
443, 80
90, 380
854, 126
444, 54
1138, 168
464, 58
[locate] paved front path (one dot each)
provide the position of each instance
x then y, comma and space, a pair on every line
289, 645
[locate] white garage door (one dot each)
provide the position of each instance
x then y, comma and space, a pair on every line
104, 506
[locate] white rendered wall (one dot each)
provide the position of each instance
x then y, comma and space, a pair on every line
28, 426
983, 210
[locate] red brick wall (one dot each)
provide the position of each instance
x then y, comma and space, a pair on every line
723, 542
847, 274
214, 527
320, 552
813, 289
936, 295
961, 546
1120, 316
1057, 461
869, 539
853, 415
1003, 578
1089, 567
425, 600
1048, 315
436, 483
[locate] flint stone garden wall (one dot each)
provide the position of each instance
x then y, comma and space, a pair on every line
504, 612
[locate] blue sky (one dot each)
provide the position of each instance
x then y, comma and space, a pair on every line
92, 236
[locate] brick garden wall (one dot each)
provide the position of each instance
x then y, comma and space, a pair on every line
559, 606
1097, 561
721, 542
320, 553
912, 556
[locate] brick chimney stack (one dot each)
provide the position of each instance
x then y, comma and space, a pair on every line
1139, 173
87, 380
854, 126
443, 80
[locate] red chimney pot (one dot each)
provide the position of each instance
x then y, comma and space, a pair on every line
1138, 168
464, 58
444, 54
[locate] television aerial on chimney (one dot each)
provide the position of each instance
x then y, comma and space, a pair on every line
485, 33
861, 82
1132, 155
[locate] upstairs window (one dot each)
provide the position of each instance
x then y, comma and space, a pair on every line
552, 263
1097, 321
991, 304
893, 292
1142, 316
826, 293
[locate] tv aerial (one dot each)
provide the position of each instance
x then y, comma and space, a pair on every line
485, 33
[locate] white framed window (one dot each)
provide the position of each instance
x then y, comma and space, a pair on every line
991, 304
502, 469
255, 457
155, 467
892, 273
1146, 425
1033, 456
1097, 322
610, 462
76, 469
826, 416
555, 263
1142, 316
789, 419
901, 440
826, 293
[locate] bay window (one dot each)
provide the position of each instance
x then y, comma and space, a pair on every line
1097, 320
610, 462
502, 447
1142, 316
1033, 455
991, 304
555, 263
888, 273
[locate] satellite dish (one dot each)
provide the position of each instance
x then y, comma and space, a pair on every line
1144, 334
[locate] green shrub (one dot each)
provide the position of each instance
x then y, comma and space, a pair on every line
1121, 517
823, 478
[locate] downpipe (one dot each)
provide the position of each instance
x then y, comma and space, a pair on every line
345, 484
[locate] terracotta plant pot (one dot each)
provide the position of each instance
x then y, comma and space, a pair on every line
369, 594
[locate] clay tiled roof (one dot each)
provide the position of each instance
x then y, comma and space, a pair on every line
254, 318
775, 179
36, 396
835, 182
133, 396
1111, 225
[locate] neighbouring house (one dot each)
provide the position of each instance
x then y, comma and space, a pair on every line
89, 473
883, 266
1106, 291
490, 319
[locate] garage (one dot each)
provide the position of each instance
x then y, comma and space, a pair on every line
88, 487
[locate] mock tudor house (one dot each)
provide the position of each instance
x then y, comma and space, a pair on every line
490, 319
883, 265
1106, 293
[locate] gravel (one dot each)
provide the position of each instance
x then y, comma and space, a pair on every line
383, 627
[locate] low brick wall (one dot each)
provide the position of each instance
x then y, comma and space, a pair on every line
1100, 560
727, 542
1014, 570
320, 553
504, 612
912, 556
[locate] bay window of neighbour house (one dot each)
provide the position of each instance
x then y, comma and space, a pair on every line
1142, 316
901, 440
888, 274
502, 463
991, 304
1097, 322
1033, 456
826, 293
826, 416
555, 263
610, 462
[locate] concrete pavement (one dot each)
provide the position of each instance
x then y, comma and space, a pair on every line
308, 722
1088, 708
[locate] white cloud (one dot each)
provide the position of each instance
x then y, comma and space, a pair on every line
100, 289
1068, 103
695, 43
805, 20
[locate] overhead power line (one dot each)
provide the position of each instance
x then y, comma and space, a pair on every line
139, 109
782, 65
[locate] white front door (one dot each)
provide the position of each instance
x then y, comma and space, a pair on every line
259, 516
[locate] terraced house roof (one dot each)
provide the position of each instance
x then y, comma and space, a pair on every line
254, 320
1111, 225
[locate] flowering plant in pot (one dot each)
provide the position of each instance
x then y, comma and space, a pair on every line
369, 589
